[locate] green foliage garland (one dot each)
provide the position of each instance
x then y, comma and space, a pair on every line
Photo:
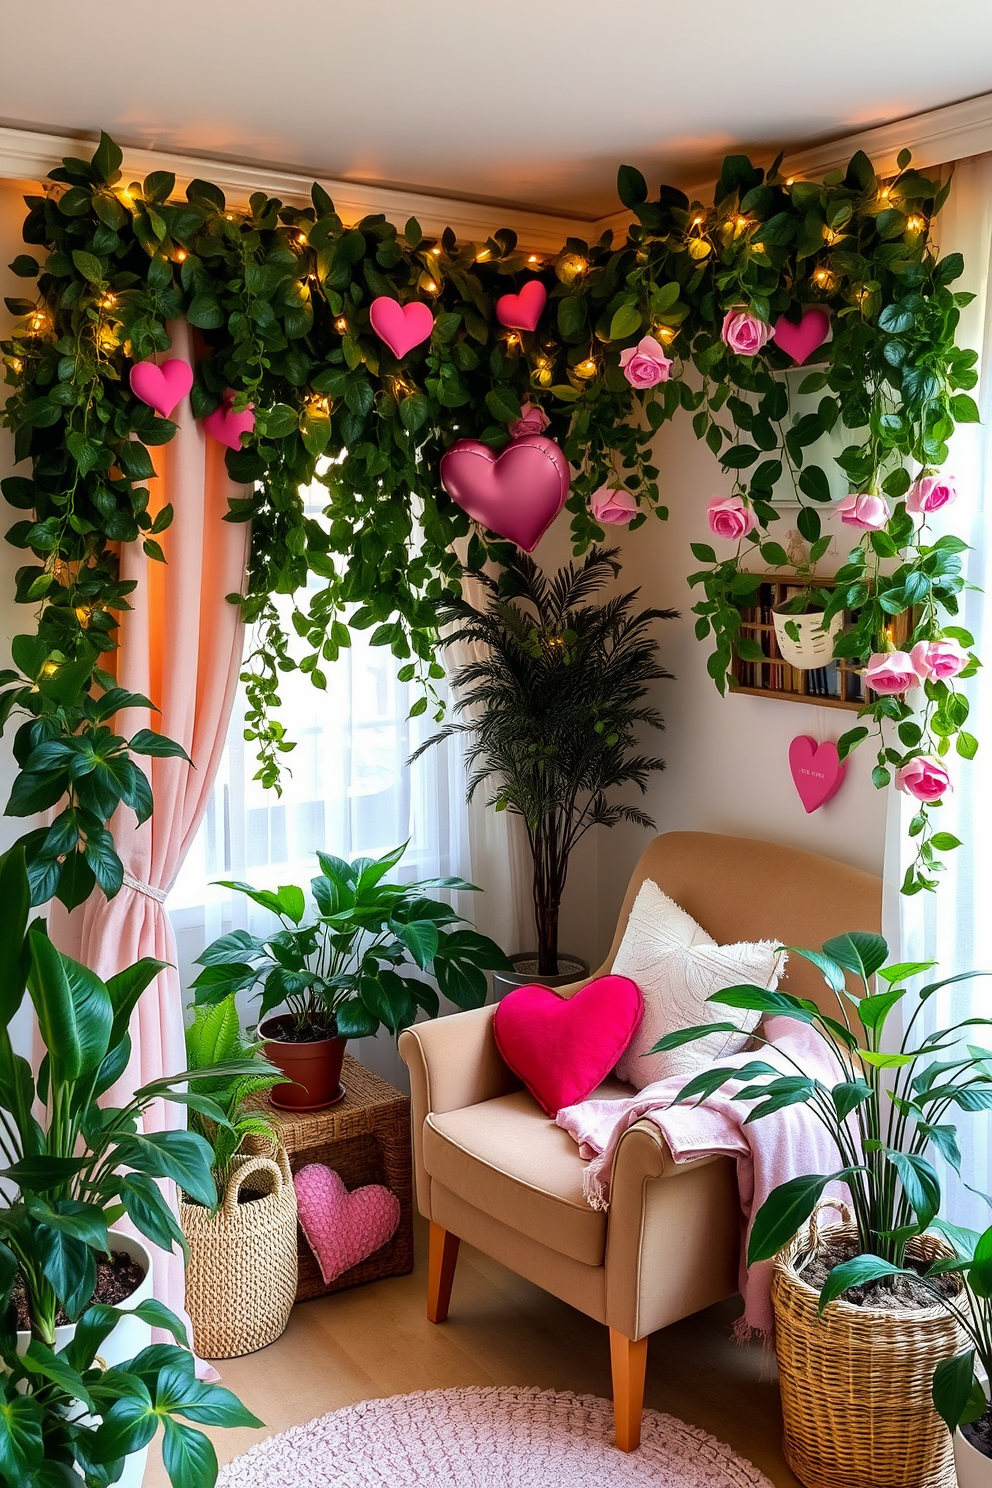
280, 295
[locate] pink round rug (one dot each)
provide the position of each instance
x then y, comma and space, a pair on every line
488, 1438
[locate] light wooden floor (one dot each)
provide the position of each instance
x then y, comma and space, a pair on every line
376, 1340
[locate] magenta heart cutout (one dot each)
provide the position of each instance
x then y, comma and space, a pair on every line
816, 769
227, 427
523, 311
343, 1228
402, 327
800, 341
517, 493
162, 387
563, 1047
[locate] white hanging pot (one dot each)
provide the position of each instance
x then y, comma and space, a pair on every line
811, 642
974, 1469
129, 1337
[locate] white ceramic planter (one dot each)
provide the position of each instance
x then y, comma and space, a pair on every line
974, 1469
813, 645
129, 1337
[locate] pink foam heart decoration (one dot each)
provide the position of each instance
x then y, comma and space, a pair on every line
800, 341
402, 327
517, 493
162, 387
523, 311
563, 1047
227, 427
816, 769
343, 1228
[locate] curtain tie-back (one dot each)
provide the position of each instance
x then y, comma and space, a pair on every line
159, 895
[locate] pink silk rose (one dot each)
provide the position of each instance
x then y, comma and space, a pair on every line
930, 493
891, 672
867, 513
615, 507
532, 420
728, 517
745, 333
924, 778
645, 365
936, 661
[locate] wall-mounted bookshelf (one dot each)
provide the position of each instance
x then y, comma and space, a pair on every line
836, 685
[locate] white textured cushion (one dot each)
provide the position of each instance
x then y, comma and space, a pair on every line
677, 967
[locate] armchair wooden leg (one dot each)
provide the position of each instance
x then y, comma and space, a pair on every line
441, 1258
629, 1361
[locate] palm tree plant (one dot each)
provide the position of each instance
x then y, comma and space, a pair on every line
552, 699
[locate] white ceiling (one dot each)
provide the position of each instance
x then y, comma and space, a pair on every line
522, 101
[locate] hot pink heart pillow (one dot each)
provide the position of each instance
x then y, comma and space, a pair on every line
343, 1228
563, 1047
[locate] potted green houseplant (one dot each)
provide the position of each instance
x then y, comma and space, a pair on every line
73, 1168
885, 1111
241, 1276
961, 1384
551, 702
346, 972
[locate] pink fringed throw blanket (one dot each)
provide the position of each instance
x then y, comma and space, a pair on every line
782, 1145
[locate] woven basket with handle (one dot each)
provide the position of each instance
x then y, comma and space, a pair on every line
856, 1383
241, 1275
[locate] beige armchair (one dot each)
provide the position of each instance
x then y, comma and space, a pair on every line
493, 1170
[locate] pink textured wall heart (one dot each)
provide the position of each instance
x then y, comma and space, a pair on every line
517, 493
402, 327
800, 341
343, 1228
816, 769
227, 427
162, 387
563, 1047
522, 312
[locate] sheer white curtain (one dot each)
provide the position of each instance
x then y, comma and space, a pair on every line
348, 790
954, 925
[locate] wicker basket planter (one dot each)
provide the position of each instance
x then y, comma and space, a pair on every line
241, 1275
856, 1383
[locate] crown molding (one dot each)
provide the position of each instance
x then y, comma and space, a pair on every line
939, 137
28, 155
935, 138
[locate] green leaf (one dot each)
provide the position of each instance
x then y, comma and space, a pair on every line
954, 1390
21, 1441
855, 1272
783, 1213
88, 265
75, 1013
858, 951
420, 938
626, 322
920, 1184
632, 188
681, 1036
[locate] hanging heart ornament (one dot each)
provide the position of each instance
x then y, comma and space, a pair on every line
517, 493
163, 387
402, 327
817, 771
800, 341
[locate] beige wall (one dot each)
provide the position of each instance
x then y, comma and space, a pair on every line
727, 758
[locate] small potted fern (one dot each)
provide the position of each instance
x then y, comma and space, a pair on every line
241, 1273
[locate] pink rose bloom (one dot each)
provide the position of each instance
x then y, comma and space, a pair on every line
891, 672
532, 420
744, 333
936, 661
614, 507
924, 777
930, 493
645, 365
728, 517
867, 513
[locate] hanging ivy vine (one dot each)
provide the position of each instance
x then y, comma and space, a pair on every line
280, 297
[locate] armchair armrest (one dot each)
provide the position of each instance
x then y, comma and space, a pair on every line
453, 1063
674, 1233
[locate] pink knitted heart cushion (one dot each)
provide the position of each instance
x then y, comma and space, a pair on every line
343, 1228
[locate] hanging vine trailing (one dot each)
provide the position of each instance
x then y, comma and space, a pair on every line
679, 315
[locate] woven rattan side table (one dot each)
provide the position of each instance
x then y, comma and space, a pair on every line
366, 1139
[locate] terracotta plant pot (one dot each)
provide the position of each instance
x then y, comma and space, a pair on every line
524, 973
314, 1068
